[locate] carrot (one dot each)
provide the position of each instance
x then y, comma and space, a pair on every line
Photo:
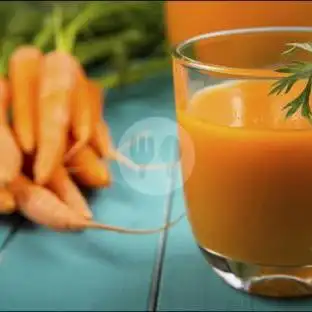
57, 82
96, 97
7, 201
41, 206
101, 139
5, 98
62, 185
82, 125
10, 157
89, 169
24, 69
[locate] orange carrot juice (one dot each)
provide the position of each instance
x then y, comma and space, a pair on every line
249, 194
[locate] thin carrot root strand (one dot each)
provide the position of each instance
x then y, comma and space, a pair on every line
117, 155
124, 160
95, 225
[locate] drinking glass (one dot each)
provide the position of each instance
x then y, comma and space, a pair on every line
248, 195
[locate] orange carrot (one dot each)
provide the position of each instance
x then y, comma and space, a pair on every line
58, 79
101, 142
101, 139
24, 69
41, 206
96, 98
11, 156
82, 114
63, 186
5, 97
89, 169
7, 201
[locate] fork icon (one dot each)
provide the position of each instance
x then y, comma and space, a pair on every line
153, 145
168, 152
143, 148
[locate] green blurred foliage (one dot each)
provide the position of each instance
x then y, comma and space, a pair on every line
126, 39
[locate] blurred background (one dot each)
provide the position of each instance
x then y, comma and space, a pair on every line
126, 41
114, 38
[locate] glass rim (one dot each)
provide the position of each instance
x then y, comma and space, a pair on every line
177, 52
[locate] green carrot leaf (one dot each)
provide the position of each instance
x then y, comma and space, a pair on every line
297, 70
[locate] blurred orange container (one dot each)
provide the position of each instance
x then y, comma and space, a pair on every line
188, 18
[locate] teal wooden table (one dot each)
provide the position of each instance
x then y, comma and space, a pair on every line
103, 271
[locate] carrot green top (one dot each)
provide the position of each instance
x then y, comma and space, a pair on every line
65, 38
296, 70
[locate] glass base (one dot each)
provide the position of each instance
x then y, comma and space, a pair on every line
269, 281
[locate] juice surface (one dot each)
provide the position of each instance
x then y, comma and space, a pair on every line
249, 194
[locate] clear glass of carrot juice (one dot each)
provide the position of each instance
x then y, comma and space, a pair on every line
248, 196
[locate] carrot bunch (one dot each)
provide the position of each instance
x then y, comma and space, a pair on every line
53, 138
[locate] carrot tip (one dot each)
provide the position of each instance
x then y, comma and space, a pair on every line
88, 215
28, 150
